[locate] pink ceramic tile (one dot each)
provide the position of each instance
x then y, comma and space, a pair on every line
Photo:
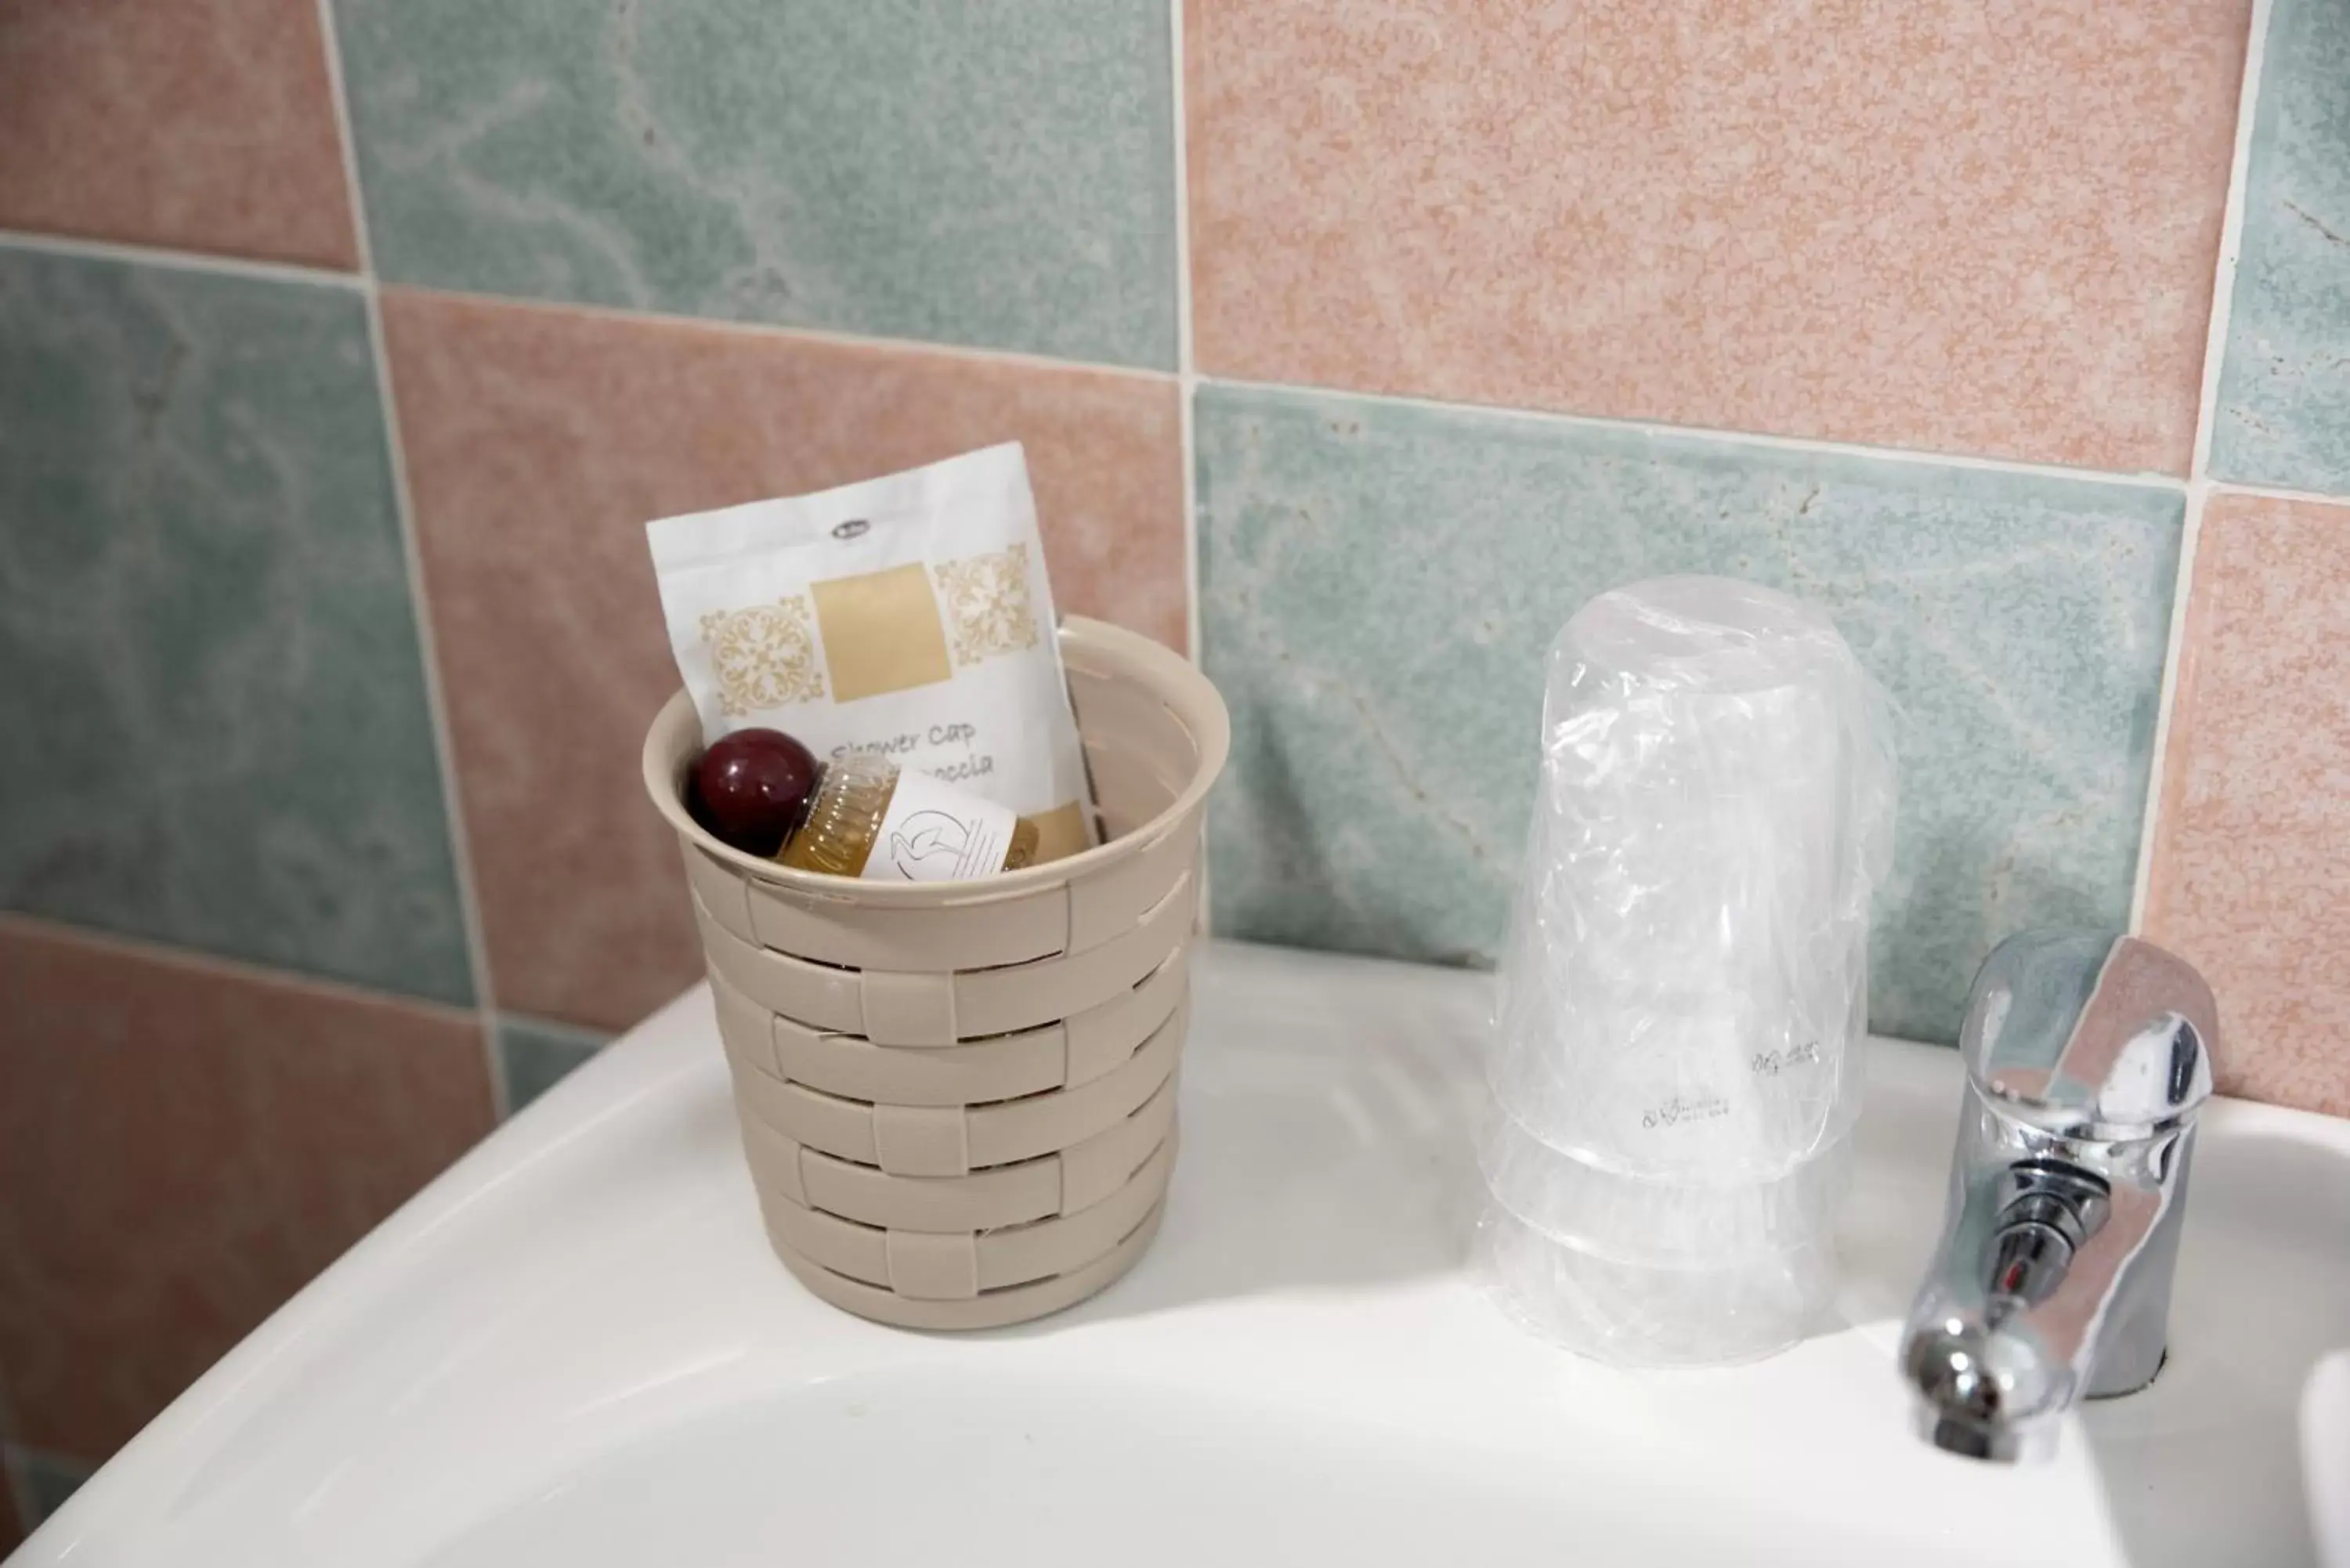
203, 125
182, 1146
2252, 855
1968, 225
539, 442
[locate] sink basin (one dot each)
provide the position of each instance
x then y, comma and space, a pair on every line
575, 1349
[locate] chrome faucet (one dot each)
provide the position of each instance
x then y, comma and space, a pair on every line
2087, 1055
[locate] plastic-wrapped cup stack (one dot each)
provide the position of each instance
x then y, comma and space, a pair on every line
1676, 1066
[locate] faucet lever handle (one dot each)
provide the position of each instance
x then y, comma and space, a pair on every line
2091, 1034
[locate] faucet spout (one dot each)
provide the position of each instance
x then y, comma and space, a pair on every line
2087, 1056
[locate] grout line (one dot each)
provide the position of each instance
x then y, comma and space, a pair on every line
2275, 492
832, 336
1187, 376
2232, 239
2199, 476
1186, 366
366, 280
174, 955
579, 1033
1186, 390
1188, 453
338, 98
452, 806
283, 272
182, 260
1755, 439
2173, 652
502, 1098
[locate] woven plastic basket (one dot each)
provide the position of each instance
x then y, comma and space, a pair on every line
958, 1098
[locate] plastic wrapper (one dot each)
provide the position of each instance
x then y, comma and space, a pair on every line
1687, 963
1685, 984
1640, 1220
1648, 1314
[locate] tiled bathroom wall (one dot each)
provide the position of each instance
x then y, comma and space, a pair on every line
345, 348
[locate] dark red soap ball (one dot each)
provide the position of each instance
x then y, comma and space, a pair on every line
751, 788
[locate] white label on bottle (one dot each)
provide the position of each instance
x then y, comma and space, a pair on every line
933, 832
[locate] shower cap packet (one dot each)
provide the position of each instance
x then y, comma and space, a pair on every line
908, 615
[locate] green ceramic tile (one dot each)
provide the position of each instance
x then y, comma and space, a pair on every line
210, 680
535, 1055
1380, 582
49, 1480
2285, 384
998, 174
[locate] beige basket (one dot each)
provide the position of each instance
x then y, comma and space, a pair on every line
958, 1098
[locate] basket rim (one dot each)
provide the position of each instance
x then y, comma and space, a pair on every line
1173, 678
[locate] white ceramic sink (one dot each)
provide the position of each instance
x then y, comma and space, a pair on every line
575, 1350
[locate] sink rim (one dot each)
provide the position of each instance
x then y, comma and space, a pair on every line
648, 1109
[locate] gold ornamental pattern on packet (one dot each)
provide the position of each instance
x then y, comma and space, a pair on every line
988, 610
764, 655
